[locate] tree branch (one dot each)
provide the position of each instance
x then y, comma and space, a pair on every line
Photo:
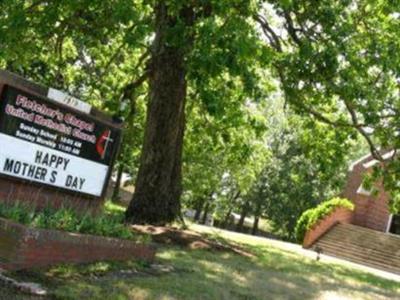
269, 32
118, 51
373, 149
31, 8
276, 43
129, 90
291, 29
319, 116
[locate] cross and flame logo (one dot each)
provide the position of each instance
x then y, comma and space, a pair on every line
103, 142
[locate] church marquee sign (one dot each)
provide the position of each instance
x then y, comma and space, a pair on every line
49, 143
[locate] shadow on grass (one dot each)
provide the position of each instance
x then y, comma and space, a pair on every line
8, 293
270, 273
337, 270
202, 274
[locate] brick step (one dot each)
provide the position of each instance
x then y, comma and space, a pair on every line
379, 254
366, 256
359, 255
349, 228
384, 267
363, 242
362, 245
361, 252
352, 229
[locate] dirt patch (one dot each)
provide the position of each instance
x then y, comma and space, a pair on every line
187, 239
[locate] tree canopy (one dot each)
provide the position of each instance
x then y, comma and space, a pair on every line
246, 106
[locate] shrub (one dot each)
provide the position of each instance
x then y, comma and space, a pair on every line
108, 224
311, 216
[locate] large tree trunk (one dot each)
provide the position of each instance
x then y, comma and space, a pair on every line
158, 186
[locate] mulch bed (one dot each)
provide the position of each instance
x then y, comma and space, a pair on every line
187, 239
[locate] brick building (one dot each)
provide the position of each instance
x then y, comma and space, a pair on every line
370, 234
371, 211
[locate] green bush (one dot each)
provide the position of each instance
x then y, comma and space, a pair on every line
311, 216
109, 224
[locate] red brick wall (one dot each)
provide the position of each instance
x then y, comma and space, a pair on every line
41, 196
23, 248
370, 211
340, 215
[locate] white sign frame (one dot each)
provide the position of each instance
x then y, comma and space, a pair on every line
76, 175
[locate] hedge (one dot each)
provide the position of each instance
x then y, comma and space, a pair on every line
311, 216
108, 223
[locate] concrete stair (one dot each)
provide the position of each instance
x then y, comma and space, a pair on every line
362, 245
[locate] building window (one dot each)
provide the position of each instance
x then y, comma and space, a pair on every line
395, 226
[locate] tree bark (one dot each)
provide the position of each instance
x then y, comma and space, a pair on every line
243, 215
206, 211
115, 195
257, 214
158, 185
227, 220
254, 230
199, 209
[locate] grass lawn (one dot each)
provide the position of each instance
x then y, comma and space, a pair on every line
270, 273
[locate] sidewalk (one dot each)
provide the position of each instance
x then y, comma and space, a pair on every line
292, 248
